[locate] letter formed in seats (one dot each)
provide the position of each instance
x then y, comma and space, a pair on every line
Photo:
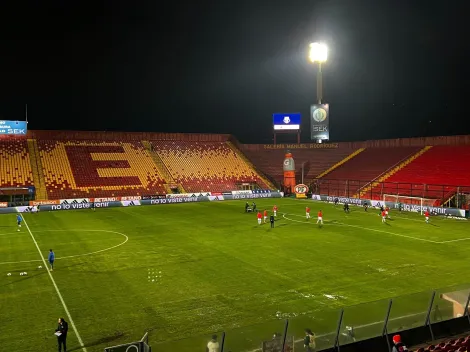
85, 168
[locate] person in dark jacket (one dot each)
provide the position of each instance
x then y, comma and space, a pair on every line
309, 341
271, 220
62, 328
398, 346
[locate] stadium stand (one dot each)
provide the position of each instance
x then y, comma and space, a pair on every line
440, 165
205, 166
15, 167
316, 161
461, 344
369, 165
76, 169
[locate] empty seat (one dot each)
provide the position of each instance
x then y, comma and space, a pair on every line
315, 161
205, 166
15, 166
435, 174
75, 169
367, 166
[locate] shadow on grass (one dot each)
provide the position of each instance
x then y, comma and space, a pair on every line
103, 340
23, 278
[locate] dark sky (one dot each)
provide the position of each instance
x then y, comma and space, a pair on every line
226, 66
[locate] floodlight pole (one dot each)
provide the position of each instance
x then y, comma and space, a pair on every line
319, 84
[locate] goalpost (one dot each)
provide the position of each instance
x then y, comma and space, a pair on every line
421, 202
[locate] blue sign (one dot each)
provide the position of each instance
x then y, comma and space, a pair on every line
288, 121
13, 127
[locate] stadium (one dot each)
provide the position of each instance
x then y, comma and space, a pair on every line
170, 182
199, 265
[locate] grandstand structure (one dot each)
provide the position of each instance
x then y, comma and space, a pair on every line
69, 164
65, 165
15, 166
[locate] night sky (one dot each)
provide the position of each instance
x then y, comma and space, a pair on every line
396, 68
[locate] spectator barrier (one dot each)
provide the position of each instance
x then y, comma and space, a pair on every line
420, 317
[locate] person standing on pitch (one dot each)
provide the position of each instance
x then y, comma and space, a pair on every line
259, 216
320, 218
51, 259
61, 333
271, 220
19, 219
426, 216
384, 216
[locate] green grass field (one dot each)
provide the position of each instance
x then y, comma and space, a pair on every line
186, 271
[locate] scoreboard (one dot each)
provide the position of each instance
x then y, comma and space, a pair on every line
286, 121
13, 127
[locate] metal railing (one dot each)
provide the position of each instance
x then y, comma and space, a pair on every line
334, 327
349, 188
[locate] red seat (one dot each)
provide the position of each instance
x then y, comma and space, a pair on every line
426, 175
206, 166
15, 167
76, 169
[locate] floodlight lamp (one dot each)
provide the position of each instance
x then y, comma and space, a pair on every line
318, 52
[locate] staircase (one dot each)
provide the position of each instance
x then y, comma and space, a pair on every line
162, 169
246, 160
394, 169
36, 168
338, 164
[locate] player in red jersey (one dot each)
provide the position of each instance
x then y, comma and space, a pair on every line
275, 210
426, 216
384, 216
265, 216
307, 213
320, 217
387, 209
259, 217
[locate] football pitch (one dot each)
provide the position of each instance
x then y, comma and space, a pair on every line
185, 271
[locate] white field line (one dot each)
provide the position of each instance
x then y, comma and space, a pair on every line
80, 341
363, 228
457, 240
10, 233
360, 212
76, 255
357, 327
395, 211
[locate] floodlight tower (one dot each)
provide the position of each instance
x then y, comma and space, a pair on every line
318, 53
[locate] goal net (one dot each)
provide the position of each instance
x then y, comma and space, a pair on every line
416, 201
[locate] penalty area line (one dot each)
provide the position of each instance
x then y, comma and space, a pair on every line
80, 341
366, 228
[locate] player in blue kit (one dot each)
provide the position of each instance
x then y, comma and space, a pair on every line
51, 259
19, 219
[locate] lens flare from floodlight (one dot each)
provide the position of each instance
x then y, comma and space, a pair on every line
318, 52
